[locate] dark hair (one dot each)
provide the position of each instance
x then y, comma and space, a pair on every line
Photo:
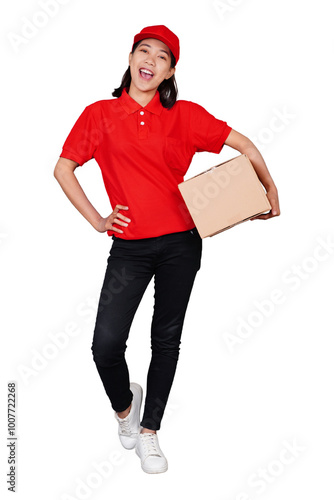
167, 89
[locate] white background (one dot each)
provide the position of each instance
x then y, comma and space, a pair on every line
233, 409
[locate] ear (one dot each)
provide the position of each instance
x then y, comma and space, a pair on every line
170, 73
130, 57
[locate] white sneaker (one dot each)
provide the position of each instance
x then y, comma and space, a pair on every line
129, 427
153, 461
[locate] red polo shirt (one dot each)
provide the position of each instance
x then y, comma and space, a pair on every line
144, 153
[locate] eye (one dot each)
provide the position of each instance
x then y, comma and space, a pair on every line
143, 50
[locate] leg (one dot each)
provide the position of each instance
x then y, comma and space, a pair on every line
179, 260
128, 273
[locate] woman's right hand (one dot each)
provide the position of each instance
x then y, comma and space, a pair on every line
107, 223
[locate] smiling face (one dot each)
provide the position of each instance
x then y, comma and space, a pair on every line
150, 64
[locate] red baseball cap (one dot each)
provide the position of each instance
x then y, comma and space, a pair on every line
163, 34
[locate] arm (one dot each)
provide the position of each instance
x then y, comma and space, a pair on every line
64, 173
245, 146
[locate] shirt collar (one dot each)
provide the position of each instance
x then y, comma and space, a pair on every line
131, 106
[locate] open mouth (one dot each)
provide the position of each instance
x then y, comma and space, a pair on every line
146, 74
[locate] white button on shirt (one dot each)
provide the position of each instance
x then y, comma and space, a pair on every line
142, 123
142, 112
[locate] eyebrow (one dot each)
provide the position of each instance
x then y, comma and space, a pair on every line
147, 45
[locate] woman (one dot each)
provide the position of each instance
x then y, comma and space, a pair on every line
144, 141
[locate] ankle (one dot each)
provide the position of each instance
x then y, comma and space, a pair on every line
144, 431
125, 413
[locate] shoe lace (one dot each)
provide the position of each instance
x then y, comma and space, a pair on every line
150, 443
125, 426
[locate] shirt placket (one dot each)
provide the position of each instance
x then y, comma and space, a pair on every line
143, 124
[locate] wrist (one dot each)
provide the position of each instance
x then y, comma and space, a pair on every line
99, 224
270, 187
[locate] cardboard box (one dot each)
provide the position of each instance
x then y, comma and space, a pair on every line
224, 195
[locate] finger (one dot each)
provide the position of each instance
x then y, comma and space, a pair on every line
122, 207
269, 215
274, 206
112, 228
110, 221
121, 216
275, 209
118, 221
263, 216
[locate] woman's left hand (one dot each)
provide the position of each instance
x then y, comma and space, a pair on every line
272, 196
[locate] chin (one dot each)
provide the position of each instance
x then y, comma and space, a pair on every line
145, 88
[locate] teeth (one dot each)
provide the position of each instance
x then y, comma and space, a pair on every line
147, 72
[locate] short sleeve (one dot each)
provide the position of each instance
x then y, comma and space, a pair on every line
81, 143
207, 132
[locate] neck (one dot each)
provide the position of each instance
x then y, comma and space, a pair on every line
143, 98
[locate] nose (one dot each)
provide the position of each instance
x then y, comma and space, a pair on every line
150, 60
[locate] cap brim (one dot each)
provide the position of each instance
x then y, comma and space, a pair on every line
142, 36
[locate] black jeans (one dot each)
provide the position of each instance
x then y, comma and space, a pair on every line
173, 259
